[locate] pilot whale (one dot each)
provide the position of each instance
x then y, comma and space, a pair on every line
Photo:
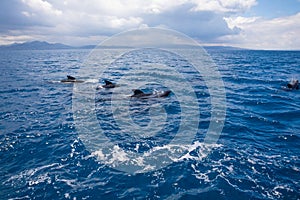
71, 79
293, 85
141, 95
107, 85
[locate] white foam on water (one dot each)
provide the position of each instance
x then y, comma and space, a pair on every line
119, 157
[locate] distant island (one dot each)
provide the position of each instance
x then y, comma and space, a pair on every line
42, 45
35, 45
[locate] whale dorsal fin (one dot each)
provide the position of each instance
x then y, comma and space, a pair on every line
136, 92
108, 82
71, 77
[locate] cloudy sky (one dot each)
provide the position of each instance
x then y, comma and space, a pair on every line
257, 24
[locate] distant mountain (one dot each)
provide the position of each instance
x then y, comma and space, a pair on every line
41, 45
35, 45
227, 48
87, 47
176, 46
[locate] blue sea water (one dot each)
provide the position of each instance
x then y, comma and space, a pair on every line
256, 157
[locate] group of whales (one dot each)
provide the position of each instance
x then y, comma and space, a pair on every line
136, 92
293, 85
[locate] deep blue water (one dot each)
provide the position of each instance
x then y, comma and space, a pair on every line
256, 157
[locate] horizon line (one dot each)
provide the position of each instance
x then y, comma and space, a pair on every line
67, 46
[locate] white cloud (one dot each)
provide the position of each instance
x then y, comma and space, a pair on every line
210, 21
42, 6
108, 17
223, 5
137, 7
239, 22
27, 14
9, 39
121, 22
259, 33
102, 17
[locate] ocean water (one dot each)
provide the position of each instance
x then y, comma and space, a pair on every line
43, 154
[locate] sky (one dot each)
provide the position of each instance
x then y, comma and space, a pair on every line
253, 24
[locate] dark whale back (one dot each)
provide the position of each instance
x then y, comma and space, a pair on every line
140, 94
71, 77
293, 85
108, 84
165, 93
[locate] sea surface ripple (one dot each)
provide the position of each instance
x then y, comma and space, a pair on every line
256, 157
